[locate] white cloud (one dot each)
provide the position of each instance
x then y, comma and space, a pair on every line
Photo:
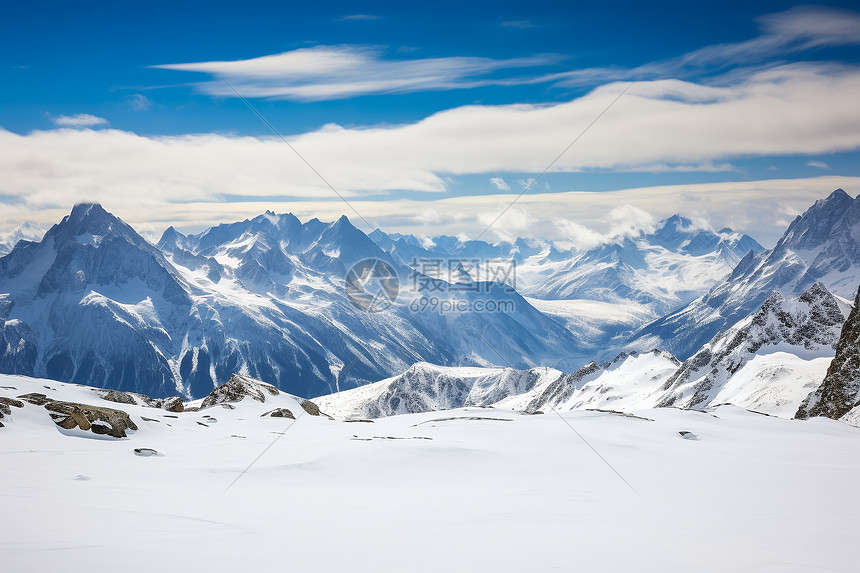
818, 164
670, 122
645, 128
500, 184
139, 102
573, 235
335, 72
629, 221
762, 209
78, 120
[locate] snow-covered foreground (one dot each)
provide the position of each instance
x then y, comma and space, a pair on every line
489, 490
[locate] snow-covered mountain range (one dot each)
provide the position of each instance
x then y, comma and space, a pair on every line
95, 303
602, 293
769, 362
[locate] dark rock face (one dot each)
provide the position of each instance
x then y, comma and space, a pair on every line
840, 390
236, 389
5, 404
279, 413
172, 404
309, 407
99, 420
35, 398
117, 396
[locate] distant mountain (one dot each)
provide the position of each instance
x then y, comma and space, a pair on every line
604, 292
661, 270
819, 246
25, 232
95, 303
838, 396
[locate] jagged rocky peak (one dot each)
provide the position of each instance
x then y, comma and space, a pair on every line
171, 239
839, 393
89, 219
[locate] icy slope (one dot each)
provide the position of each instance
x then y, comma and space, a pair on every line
416, 493
427, 388
822, 245
627, 383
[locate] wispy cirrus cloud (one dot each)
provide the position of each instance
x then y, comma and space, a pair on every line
78, 120
666, 125
678, 125
521, 24
500, 184
139, 102
818, 164
337, 72
796, 30
357, 17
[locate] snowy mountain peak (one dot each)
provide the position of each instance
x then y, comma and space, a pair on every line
824, 218
89, 218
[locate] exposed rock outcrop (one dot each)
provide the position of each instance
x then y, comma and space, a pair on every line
6, 405
35, 398
99, 420
172, 404
839, 393
237, 389
278, 413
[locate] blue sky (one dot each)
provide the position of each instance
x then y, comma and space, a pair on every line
428, 117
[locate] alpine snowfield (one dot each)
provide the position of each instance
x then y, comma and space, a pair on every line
470, 489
